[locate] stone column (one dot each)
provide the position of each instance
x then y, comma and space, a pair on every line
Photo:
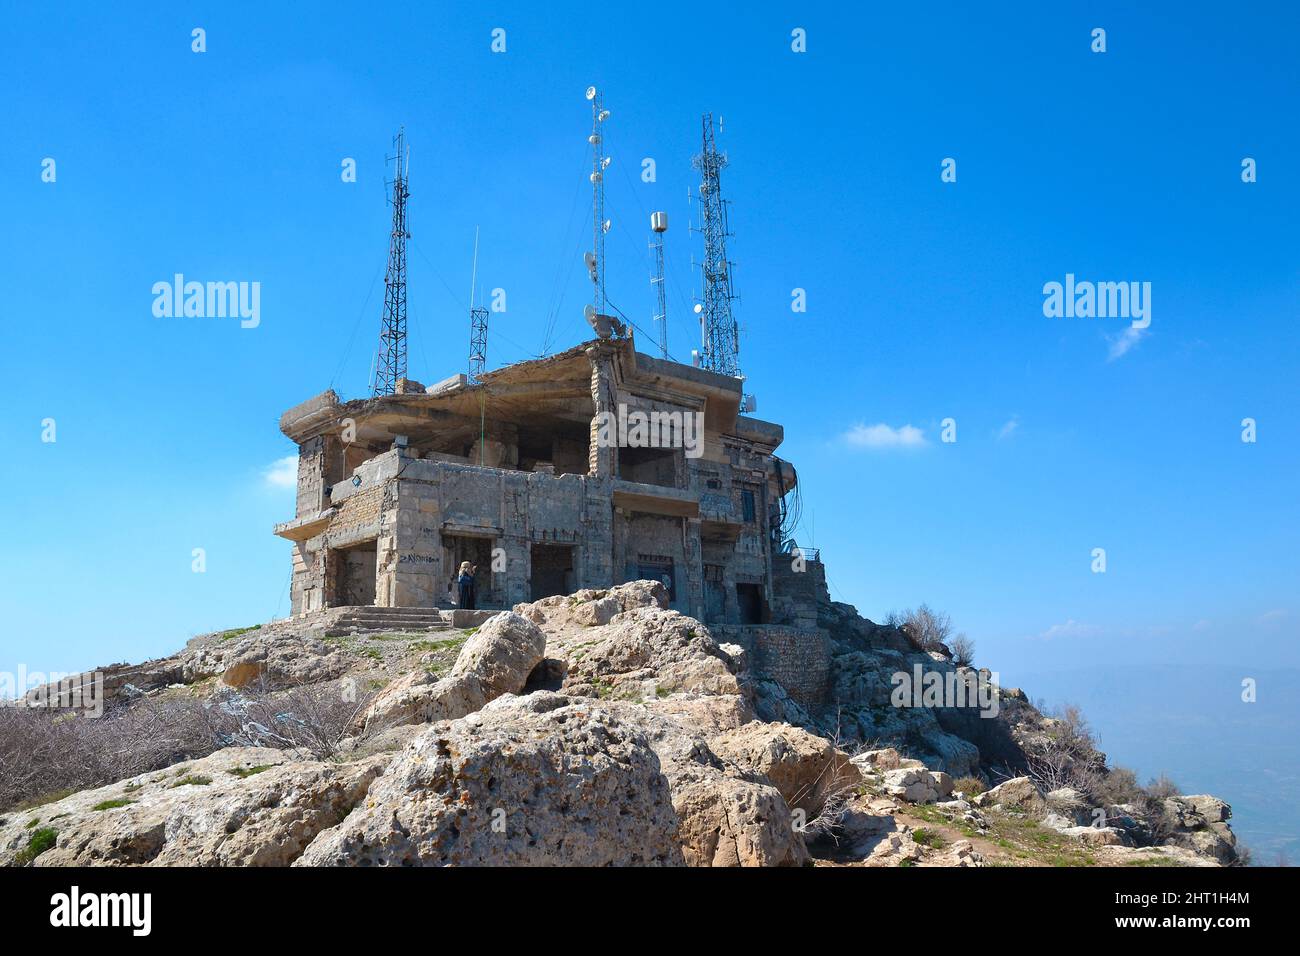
602, 447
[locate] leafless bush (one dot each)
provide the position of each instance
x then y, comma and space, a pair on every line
46, 754
1065, 754
831, 792
962, 649
926, 629
316, 718
53, 752
1162, 787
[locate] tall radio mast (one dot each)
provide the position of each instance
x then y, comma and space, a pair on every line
391, 363
659, 225
719, 331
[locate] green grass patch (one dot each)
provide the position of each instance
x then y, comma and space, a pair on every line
429, 646
112, 804
31, 823
40, 841
196, 780
930, 838
235, 632
245, 772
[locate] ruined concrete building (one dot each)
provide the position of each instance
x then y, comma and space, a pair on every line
537, 475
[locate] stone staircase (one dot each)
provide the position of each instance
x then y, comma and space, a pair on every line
353, 620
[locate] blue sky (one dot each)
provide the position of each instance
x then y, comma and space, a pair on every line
924, 298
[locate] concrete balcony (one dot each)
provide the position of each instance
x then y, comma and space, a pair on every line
656, 499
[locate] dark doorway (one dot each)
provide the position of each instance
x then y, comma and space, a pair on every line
552, 571
750, 598
355, 569
478, 552
660, 570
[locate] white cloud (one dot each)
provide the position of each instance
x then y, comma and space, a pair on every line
282, 473
1122, 343
1009, 429
1274, 616
882, 436
1070, 629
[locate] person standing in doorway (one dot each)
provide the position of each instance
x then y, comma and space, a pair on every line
465, 586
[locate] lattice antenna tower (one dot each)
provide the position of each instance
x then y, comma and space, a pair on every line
478, 325
390, 365
659, 225
718, 329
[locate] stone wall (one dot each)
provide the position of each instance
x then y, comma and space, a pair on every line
799, 659
796, 594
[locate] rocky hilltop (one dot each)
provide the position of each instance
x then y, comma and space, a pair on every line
594, 729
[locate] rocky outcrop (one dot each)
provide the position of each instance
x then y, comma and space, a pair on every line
1200, 824
266, 660
806, 769
1018, 793
497, 659
521, 782
729, 816
601, 728
917, 784
241, 806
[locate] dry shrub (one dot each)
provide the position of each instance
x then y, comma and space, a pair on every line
926, 629
47, 754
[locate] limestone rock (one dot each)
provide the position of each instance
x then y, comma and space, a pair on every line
501, 654
1018, 793
675, 651
728, 817
886, 758
707, 715
806, 769
917, 785
242, 806
520, 782
269, 660
497, 659
1201, 825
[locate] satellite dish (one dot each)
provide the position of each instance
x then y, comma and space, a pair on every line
605, 226
604, 163
589, 311
594, 177
698, 308
602, 115
590, 259
591, 92
593, 139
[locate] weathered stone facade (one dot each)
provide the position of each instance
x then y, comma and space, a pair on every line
523, 476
